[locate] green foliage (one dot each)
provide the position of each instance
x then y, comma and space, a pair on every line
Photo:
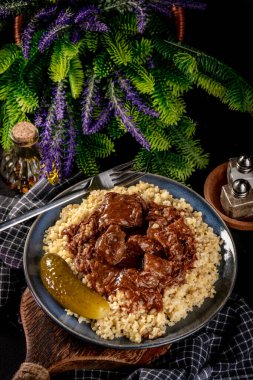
115, 129
118, 48
141, 78
85, 160
91, 41
76, 77
170, 107
8, 55
168, 164
63, 53
188, 148
154, 130
91, 147
102, 65
125, 23
101, 145
142, 50
157, 72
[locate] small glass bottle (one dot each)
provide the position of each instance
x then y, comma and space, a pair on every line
20, 165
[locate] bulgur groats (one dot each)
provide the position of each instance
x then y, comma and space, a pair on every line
178, 300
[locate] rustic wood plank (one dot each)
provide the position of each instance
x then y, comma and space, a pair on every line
56, 350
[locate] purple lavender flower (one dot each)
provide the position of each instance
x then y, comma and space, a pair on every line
94, 25
127, 120
165, 6
89, 94
87, 19
31, 28
85, 12
62, 22
46, 142
4, 13
57, 145
101, 121
59, 101
75, 36
40, 117
151, 64
132, 96
189, 4
161, 7
27, 38
141, 13
71, 141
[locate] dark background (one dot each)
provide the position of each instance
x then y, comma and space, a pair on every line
223, 30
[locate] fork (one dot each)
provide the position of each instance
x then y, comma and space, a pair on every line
121, 175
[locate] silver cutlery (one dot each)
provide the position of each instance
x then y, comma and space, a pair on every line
121, 175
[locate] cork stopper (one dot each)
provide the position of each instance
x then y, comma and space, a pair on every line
24, 133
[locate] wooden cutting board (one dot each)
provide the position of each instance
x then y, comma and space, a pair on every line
51, 349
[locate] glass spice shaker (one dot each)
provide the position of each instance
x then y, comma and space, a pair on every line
20, 166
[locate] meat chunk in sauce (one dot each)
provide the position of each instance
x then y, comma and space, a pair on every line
136, 247
111, 245
123, 210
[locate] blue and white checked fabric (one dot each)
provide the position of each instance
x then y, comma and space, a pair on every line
12, 240
222, 350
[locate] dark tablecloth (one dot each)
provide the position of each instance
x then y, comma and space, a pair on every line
223, 349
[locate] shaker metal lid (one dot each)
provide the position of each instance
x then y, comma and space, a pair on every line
240, 188
244, 163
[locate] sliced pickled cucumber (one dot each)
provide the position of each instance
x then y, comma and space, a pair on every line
68, 290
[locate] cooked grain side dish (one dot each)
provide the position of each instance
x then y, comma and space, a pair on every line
150, 255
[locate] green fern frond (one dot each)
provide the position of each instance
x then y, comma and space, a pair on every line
167, 163
165, 49
153, 130
35, 73
91, 40
187, 127
100, 145
215, 77
76, 77
118, 48
142, 50
115, 129
177, 82
170, 107
186, 63
125, 23
189, 148
141, 78
174, 166
8, 55
158, 140
239, 95
10, 115
85, 159
157, 27
211, 86
63, 52
26, 99
6, 84
102, 65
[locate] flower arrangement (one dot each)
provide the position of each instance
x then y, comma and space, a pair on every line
87, 73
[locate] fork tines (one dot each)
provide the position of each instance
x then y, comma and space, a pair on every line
125, 174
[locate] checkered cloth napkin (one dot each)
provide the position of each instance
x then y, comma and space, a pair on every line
223, 349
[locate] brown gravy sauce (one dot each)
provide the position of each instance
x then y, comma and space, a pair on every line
134, 246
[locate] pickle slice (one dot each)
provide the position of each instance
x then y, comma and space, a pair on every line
68, 290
